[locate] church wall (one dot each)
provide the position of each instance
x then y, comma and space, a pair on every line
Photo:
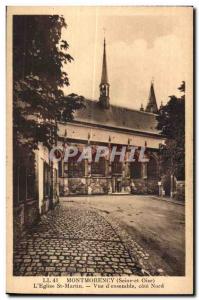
110, 182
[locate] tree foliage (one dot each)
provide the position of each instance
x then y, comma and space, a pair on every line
39, 55
171, 122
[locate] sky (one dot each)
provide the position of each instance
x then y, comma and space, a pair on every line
142, 44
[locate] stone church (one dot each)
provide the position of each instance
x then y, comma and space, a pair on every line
101, 123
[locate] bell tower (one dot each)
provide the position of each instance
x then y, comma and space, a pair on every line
104, 85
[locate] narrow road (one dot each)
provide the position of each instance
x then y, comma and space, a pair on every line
73, 240
157, 226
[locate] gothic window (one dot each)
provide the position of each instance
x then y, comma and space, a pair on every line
75, 168
135, 169
116, 167
152, 171
98, 168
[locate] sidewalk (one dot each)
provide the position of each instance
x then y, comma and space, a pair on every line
167, 199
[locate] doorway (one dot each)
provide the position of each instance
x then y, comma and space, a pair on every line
117, 184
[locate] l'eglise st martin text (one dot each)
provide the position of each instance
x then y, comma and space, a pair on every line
94, 282
98, 283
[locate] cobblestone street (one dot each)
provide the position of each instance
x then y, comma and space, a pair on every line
73, 240
107, 236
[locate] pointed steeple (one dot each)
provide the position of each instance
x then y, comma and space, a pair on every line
104, 85
152, 104
104, 78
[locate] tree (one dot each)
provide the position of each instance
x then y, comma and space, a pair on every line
38, 78
171, 122
39, 103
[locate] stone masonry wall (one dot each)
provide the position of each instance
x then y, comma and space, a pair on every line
145, 186
98, 186
77, 186
84, 186
102, 185
24, 216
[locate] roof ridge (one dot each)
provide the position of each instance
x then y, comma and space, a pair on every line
123, 107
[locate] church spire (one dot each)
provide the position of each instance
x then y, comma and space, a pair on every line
104, 78
104, 85
152, 104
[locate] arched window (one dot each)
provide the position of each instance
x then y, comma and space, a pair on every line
116, 167
152, 168
76, 168
135, 169
98, 168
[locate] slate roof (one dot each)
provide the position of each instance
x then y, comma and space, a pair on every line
117, 117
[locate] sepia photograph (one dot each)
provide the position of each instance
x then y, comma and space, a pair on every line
100, 108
